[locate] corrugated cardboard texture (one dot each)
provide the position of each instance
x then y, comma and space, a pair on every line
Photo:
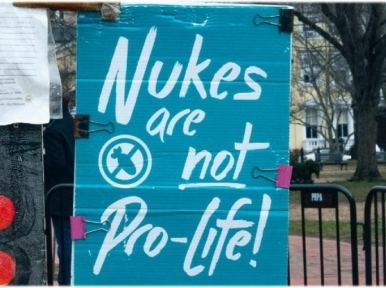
198, 96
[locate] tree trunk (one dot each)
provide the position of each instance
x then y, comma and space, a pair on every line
367, 168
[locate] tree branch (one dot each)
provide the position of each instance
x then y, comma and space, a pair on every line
379, 47
319, 30
327, 12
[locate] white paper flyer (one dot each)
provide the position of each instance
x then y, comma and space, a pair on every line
24, 73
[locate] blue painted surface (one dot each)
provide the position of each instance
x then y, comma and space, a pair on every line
173, 218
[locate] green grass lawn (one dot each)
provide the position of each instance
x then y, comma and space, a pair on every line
360, 190
329, 229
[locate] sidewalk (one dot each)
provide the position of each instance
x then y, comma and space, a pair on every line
330, 262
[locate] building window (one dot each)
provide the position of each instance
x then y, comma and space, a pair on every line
311, 123
311, 132
343, 124
310, 67
339, 71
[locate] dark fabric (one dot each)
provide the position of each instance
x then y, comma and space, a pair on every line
59, 145
63, 238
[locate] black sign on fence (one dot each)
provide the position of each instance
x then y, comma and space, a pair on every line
317, 199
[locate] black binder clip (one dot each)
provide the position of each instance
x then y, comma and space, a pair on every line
82, 126
285, 20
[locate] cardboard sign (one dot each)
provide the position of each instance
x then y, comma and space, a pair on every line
180, 104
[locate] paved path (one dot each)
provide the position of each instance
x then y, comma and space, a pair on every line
330, 262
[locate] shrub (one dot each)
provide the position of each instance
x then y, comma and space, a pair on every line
302, 172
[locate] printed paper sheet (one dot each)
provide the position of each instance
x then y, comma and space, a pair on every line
24, 76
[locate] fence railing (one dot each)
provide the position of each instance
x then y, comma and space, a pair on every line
320, 198
50, 263
375, 236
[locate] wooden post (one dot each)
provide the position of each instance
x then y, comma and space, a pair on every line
67, 6
109, 11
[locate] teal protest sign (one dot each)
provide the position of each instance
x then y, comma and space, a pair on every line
188, 112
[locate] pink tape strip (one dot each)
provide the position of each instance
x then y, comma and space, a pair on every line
284, 174
78, 227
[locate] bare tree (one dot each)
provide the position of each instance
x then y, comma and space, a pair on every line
357, 31
64, 32
321, 81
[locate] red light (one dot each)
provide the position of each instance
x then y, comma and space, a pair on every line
7, 212
7, 268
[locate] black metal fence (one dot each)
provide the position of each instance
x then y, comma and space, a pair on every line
375, 236
324, 201
49, 241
